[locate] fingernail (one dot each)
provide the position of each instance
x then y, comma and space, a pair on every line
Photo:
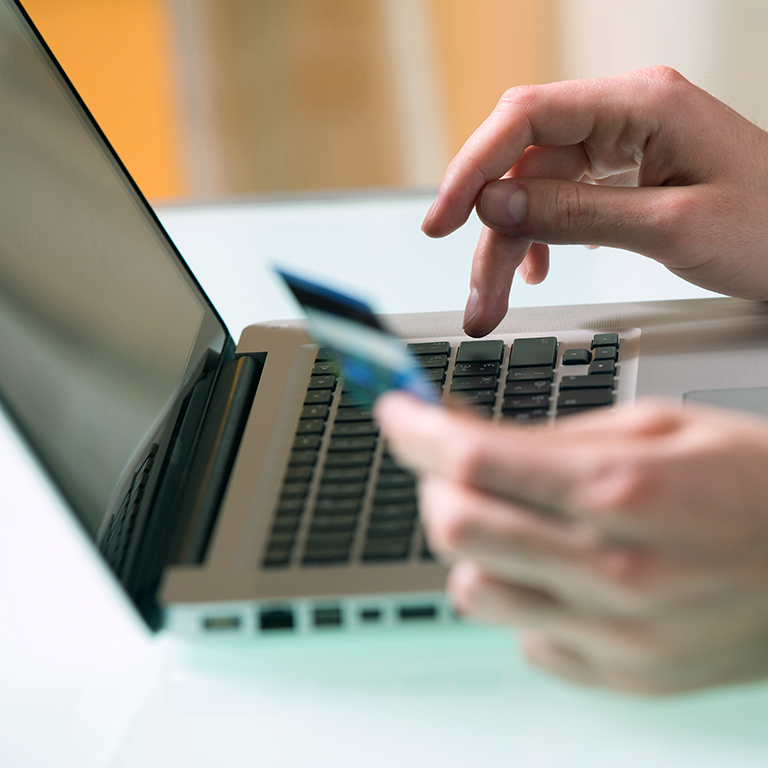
503, 205
471, 309
523, 270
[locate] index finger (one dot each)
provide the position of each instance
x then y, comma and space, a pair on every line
555, 115
528, 466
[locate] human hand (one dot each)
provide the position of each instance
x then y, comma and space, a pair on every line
629, 544
678, 176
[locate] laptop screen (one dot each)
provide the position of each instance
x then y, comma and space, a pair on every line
100, 322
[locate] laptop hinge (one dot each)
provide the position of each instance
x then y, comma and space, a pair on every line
214, 455
187, 503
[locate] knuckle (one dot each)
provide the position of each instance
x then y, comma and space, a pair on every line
614, 491
455, 528
653, 417
676, 222
633, 583
463, 587
635, 643
520, 97
665, 76
624, 486
567, 208
630, 572
447, 516
655, 411
466, 459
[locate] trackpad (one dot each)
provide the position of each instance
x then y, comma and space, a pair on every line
751, 399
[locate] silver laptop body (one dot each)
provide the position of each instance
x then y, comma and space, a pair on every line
176, 450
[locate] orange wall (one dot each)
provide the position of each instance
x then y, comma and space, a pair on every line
117, 53
485, 47
120, 56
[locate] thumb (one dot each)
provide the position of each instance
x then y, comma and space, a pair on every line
560, 211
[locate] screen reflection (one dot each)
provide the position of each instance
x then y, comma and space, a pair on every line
100, 324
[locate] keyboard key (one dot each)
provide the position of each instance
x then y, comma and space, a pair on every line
314, 412
295, 489
389, 529
379, 550
355, 429
318, 397
476, 369
389, 464
341, 490
480, 351
348, 518
324, 354
537, 414
323, 556
483, 411
289, 507
322, 382
365, 443
336, 506
302, 472
434, 374
342, 524
394, 510
578, 356
337, 543
581, 398
525, 402
430, 348
354, 414
397, 480
533, 352
310, 427
302, 457
605, 340
306, 442
289, 518
354, 399
285, 525
603, 366
385, 495
530, 374
466, 383
345, 474
324, 369
349, 459
276, 561
280, 541
605, 353
477, 397
330, 540
528, 388
276, 558
432, 361
590, 381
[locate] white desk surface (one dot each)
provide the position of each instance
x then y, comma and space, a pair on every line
83, 684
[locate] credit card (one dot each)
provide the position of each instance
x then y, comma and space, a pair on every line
371, 358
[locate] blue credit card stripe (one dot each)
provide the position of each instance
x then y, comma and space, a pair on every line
320, 297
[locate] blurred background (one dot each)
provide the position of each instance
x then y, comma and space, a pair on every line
217, 98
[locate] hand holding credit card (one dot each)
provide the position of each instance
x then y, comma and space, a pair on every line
372, 359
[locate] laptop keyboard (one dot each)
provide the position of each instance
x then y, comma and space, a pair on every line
344, 498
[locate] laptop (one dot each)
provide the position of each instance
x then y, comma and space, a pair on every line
242, 489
